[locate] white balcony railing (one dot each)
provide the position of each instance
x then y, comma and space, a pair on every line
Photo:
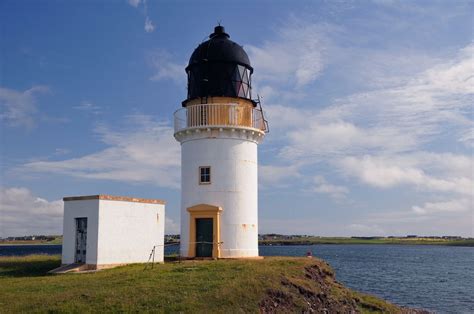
219, 115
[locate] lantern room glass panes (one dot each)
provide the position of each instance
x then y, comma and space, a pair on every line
237, 76
241, 82
219, 79
245, 77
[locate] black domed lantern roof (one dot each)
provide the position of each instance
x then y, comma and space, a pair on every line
219, 67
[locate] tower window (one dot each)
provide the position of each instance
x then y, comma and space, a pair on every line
205, 175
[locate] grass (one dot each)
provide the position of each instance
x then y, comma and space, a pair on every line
190, 286
343, 240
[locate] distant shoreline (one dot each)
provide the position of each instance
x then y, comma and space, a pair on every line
314, 241
374, 241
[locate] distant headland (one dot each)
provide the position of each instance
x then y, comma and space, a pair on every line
278, 239
281, 239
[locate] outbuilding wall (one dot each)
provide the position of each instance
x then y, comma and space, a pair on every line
128, 231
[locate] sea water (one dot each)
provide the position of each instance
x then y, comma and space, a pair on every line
437, 278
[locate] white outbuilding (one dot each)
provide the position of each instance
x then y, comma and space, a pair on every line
101, 231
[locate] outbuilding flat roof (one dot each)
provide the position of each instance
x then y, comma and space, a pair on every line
113, 198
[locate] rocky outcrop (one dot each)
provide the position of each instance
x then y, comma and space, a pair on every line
319, 292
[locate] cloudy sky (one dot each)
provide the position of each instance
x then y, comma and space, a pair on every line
370, 105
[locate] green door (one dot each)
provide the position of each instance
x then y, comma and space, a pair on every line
204, 237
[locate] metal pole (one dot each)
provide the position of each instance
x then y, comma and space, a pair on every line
153, 261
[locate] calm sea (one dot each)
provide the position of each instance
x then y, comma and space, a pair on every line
437, 278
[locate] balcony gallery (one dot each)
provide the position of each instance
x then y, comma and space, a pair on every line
219, 115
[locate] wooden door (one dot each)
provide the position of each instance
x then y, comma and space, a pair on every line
204, 237
81, 240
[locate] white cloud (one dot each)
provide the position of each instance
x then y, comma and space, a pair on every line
23, 213
324, 187
61, 151
149, 26
88, 107
277, 175
451, 206
165, 68
327, 138
385, 172
134, 3
378, 136
171, 227
300, 225
295, 57
19, 109
467, 137
430, 101
438, 218
390, 120
286, 117
377, 224
143, 152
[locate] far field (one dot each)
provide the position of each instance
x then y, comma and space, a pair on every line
343, 240
310, 240
56, 240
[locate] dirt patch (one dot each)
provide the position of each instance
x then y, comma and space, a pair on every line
310, 301
276, 301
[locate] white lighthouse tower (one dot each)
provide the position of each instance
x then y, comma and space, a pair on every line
219, 128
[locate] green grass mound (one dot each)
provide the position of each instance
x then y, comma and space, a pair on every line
272, 285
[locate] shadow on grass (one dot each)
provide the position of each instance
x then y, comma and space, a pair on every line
172, 258
28, 266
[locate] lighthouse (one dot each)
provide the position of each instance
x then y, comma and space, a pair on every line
219, 127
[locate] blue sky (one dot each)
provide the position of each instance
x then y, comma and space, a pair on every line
369, 105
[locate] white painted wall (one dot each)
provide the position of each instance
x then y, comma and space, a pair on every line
234, 187
128, 231
118, 232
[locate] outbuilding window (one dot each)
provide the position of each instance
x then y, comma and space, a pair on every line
205, 175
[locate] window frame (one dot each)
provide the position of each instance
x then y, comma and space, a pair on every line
200, 175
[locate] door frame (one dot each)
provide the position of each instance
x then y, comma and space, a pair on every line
204, 211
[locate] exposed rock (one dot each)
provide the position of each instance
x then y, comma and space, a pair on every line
321, 293
276, 301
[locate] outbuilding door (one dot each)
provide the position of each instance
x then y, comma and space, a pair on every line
81, 240
204, 237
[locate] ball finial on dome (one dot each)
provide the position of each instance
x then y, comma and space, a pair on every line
219, 30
